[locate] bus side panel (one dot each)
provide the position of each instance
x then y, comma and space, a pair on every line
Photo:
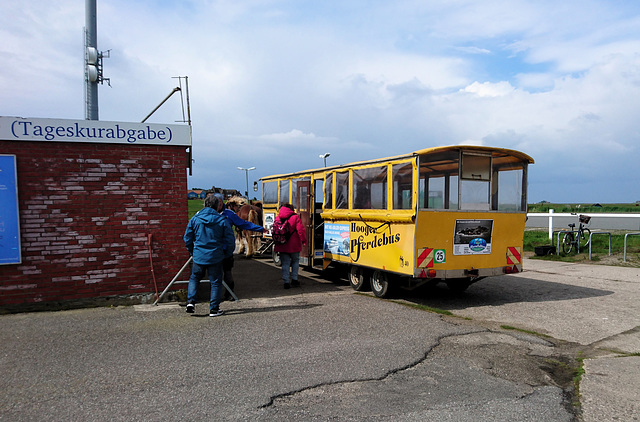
468, 241
387, 246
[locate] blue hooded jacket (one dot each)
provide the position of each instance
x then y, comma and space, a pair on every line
209, 237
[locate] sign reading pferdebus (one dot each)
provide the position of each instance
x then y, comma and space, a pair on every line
93, 131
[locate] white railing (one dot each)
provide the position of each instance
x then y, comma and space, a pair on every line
623, 221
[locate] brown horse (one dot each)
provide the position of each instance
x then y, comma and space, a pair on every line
248, 212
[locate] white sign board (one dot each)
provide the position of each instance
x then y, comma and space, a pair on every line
93, 131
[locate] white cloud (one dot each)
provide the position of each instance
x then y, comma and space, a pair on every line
473, 50
488, 89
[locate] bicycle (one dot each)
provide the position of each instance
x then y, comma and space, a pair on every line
577, 238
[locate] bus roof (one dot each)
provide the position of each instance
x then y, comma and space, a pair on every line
503, 151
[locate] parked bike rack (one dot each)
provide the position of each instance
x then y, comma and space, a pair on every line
591, 243
625, 244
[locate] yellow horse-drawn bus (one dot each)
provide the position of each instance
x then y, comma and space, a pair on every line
453, 214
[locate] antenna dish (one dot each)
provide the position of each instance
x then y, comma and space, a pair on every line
92, 73
92, 55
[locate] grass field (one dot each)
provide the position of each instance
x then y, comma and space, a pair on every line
195, 205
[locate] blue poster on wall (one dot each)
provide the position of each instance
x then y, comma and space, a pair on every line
9, 214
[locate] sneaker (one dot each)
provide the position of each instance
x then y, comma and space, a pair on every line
215, 312
287, 285
191, 308
295, 283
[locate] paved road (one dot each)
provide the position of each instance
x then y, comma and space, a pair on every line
321, 352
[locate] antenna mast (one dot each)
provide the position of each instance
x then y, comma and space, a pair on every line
92, 61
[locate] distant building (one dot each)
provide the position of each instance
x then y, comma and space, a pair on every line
202, 193
196, 194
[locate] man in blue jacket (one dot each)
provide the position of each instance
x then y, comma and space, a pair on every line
234, 220
209, 239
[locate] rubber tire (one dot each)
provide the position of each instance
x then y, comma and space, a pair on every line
276, 258
356, 278
379, 283
567, 243
584, 240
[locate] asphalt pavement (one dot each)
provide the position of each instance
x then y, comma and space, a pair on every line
324, 352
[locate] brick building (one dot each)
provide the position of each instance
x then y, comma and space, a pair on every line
101, 211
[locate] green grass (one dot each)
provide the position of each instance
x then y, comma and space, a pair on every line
425, 308
194, 205
577, 379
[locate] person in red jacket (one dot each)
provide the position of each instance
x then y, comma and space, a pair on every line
290, 251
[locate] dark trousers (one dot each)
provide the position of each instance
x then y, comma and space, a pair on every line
215, 278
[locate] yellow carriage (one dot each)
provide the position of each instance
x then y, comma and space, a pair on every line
453, 214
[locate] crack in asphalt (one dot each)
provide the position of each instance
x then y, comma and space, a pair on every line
411, 365
553, 365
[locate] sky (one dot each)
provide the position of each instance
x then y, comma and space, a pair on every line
273, 84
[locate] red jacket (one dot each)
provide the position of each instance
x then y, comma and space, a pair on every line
298, 237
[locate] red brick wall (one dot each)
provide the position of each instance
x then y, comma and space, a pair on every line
86, 211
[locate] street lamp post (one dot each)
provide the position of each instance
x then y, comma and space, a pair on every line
246, 172
324, 156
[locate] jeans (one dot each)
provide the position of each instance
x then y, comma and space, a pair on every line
215, 278
290, 260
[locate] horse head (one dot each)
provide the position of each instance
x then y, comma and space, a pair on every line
237, 201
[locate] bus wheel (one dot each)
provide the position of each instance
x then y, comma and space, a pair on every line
379, 283
356, 278
276, 258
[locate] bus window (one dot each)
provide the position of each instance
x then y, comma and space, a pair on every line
294, 192
438, 180
270, 192
294, 188
509, 183
342, 190
475, 184
328, 191
370, 188
453, 192
476, 167
474, 195
402, 186
436, 191
319, 192
284, 192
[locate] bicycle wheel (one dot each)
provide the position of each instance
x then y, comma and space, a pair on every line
567, 243
584, 237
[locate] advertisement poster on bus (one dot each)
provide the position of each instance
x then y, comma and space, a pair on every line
336, 239
269, 219
472, 237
